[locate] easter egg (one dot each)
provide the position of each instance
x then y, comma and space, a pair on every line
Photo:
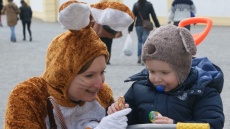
152, 115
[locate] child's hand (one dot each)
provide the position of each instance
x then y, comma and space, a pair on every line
114, 108
163, 120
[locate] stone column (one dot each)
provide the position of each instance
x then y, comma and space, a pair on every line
50, 10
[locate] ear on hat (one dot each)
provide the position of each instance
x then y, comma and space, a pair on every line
107, 13
188, 41
74, 15
151, 49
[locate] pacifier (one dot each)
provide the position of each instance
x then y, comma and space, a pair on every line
160, 88
152, 115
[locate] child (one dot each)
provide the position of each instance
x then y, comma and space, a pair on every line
179, 87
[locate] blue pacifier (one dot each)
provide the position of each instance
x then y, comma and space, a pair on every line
160, 88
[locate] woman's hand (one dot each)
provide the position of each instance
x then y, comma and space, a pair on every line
163, 120
117, 120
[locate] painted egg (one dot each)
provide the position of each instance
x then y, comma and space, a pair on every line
153, 114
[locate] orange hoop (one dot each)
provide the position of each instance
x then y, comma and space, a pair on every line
199, 36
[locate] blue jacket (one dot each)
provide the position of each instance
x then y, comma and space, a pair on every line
197, 99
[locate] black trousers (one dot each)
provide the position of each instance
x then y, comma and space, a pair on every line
108, 42
177, 23
24, 29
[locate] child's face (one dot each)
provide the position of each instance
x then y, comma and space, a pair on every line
160, 73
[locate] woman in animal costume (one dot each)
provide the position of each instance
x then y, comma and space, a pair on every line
71, 93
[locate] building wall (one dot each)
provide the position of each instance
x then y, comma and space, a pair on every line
47, 10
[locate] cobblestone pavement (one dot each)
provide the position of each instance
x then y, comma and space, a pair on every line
23, 59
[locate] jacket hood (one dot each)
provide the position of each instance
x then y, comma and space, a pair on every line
208, 74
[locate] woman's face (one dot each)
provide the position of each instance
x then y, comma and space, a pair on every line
160, 73
85, 86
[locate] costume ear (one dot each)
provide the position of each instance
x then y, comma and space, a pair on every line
188, 41
74, 15
114, 14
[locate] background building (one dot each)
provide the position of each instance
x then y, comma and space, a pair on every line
219, 11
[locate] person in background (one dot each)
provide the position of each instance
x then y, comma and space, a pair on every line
106, 35
179, 86
71, 92
181, 9
25, 16
11, 10
144, 8
1, 6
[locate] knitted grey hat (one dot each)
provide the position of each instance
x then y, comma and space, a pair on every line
173, 45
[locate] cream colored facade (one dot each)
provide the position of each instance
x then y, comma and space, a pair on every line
218, 10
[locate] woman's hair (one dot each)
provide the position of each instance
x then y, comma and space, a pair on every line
24, 3
86, 66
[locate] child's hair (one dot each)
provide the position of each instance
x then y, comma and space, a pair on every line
173, 45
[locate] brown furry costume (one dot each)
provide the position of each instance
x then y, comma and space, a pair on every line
66, 55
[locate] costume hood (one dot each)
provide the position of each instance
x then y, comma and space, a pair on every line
71, 50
